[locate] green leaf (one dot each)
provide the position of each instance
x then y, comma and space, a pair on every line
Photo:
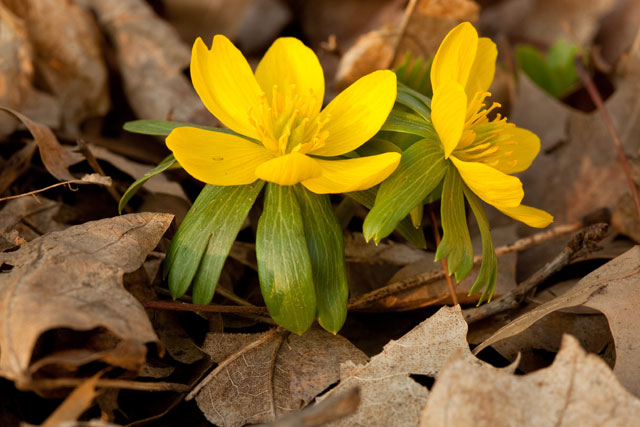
406, 229
456, 243
421, 169
414, 101
403, 122
164, 127
169, 162
284, 265
488, 274
326, 251
204, 239
556, 74
416, 215
377, 145
416, 74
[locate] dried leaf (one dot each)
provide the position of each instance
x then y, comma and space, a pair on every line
611, 289
430, 21
544, 21
389, 395
73, 280
264, 376
29, 216
577, 389
69, 61
387, 252
151, 59
55, 157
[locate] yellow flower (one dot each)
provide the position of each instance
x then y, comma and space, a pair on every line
485, 152
277, 111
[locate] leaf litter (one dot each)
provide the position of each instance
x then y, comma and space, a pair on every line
73, 276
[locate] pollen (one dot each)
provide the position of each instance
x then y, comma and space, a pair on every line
483, 140
288, 121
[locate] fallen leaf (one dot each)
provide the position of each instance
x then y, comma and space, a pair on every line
70, 62
16, 74
387, 252
437, 292
389, 395
151, 59
544, 21
72, 279
578, 389
387, 46
16, 166
30, 217
611, 289
55, 157
263, 376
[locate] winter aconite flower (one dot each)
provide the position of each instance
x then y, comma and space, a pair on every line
454, 151
485, 152
283, 137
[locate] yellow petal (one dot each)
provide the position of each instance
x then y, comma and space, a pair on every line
289, 62
358, 113
225, 83
216, 158
491, 185
448, 111
289, 169
455, 56
516, 153
483, 68
342, 176
531, 216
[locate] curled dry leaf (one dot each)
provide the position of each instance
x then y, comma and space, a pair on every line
611, 289
578, 389
55, 157
263, 376
151, 58
72, 279
389, 395
27, 218
70, 61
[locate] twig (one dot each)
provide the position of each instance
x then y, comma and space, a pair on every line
597, 99
408, 12
331, 409
55, 383
432, 276
445, 267
210, 308
585, 239
93, 163
30, 193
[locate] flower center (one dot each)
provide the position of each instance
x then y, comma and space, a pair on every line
489, 142
289, 121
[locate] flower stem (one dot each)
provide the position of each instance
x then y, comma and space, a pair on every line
436, 232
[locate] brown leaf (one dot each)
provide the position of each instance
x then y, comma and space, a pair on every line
389, 395
544, 21
16, 166
69, 61
264, 376
612, 289
387, 252
30, 217
55, 157
151, 59
72, 279
578, 389
430, 21
438, 292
